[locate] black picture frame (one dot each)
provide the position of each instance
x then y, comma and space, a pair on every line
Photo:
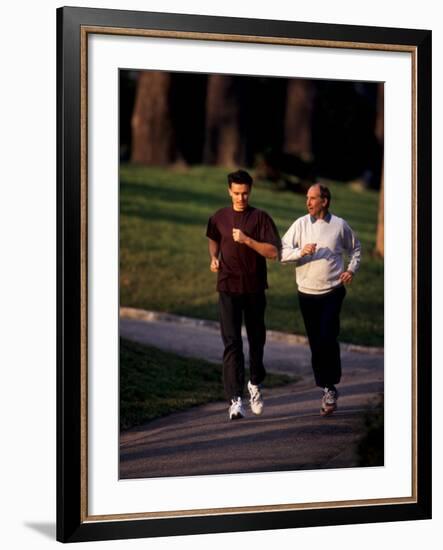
73, 523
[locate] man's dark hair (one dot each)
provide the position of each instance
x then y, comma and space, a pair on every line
324, 193
240, 176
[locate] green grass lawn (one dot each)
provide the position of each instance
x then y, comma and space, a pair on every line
154, 383
164, 262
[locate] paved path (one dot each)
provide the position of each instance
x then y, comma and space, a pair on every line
289, 435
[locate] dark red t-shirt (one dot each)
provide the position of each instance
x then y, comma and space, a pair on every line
242, 269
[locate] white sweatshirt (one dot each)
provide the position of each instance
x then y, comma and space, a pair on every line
320, 272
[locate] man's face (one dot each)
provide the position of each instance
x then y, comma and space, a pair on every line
239, 193
314, 203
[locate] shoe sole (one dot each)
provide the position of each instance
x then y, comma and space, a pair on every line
327, 411
236, 417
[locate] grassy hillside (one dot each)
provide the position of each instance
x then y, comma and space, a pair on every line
164, 263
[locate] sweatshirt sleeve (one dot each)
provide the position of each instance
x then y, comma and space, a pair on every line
290, 249
353, 248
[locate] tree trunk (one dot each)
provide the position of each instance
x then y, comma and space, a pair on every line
380, 237
380, 114
299, 106
379, 132
152, 127
223, 144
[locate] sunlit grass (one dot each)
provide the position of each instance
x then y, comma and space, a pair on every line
164, 263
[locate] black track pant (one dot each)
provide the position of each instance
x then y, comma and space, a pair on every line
321, 314
232, 309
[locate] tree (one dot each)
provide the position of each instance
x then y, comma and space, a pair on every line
223, 143
152, 128
298, 123
379, 132
380, 236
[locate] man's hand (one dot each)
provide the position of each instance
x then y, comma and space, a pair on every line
309, 249
239, 236
266, 250
346, 277
215, 264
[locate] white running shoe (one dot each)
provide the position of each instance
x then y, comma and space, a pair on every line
256, 401
329, 401
236, 409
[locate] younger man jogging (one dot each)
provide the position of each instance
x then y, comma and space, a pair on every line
241, 237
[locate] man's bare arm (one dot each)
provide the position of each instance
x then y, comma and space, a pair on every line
214, 250
267, 250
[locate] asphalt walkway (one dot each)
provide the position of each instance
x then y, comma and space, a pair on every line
290, 435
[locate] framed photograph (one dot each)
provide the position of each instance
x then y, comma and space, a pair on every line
154, 111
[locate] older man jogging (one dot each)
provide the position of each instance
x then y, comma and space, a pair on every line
316, 243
